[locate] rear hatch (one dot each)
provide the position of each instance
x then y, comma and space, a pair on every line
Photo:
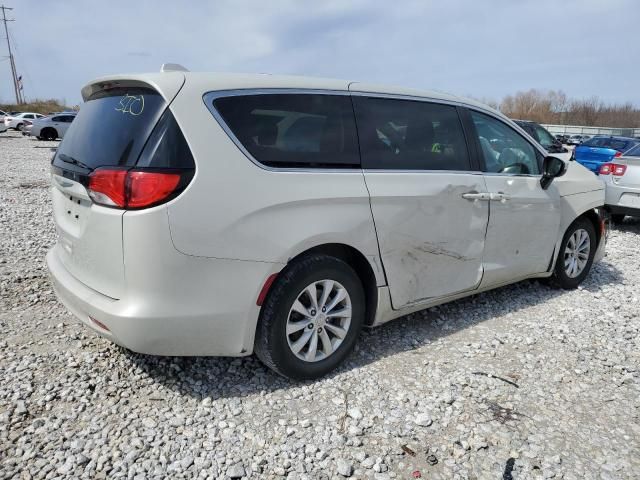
109, 132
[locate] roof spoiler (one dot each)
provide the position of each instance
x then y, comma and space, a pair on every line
172, 67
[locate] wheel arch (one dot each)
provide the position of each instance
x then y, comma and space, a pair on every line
44, 131
591, 214
360, 264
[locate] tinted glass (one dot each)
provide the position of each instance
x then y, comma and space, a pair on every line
167, 147
544, 137
618, 144
633, 152
410, 135
504, 150
110, 129
57, 119
294, 130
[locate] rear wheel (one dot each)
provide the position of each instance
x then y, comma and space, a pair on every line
49, 134
311, 318
577, 250
19, 127
617, 218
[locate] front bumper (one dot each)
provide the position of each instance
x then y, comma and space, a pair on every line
605, 223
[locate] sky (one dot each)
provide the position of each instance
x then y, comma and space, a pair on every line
485, 49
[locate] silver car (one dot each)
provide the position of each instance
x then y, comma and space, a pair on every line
50, 128
220, 214
622, 181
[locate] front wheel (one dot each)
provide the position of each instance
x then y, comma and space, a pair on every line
311, 318
577, 250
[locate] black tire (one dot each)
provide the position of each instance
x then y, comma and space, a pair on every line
617, 218
560, 277
19, 127
49, 134
271, 345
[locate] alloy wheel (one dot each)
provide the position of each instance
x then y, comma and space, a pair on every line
319, 320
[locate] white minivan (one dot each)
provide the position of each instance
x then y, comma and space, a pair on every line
221, 214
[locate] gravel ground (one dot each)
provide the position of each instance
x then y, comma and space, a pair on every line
522, 382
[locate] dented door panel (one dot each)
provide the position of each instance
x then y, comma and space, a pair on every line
431, 238
523, 226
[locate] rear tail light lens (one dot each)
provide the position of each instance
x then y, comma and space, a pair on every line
618, 170
618, 154
133, 189
605, 168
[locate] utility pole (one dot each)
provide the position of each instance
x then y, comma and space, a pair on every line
16, 83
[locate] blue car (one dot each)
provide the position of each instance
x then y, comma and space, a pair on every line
598, 150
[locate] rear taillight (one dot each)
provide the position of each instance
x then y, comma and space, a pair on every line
605, 169
618, 154
618, 169
133, 188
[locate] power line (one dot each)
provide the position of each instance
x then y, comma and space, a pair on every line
16, 81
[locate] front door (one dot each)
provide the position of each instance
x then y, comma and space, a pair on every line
425, 197
524, 219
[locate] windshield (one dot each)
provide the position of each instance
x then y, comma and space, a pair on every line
544, 137
110, 129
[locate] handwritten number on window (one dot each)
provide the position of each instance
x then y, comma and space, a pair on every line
132, 104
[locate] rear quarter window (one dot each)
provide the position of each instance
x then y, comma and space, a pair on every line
293, 130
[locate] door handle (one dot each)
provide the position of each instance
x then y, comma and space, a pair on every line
502, 197
476, 196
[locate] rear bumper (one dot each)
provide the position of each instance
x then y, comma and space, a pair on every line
621, 199
207, 307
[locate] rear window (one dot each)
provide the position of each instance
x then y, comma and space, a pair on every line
294, 130
110, 129
608, 142
633, 152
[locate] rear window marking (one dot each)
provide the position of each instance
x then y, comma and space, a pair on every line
133, 104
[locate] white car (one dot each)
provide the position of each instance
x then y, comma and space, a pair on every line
2, 115
220, 214
17, 122
3, 127
51, 128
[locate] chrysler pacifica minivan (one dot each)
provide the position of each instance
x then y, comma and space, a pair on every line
221, 214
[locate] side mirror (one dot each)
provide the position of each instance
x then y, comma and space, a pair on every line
552, 167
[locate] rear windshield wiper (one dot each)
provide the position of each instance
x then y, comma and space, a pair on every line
73, 161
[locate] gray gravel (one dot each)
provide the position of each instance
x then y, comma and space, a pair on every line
525, 379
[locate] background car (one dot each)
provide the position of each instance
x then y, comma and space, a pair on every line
562, 138
574, 140
17, 122
2, 115
50, 128
3, 127
621, 177
544, 138
600, 149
